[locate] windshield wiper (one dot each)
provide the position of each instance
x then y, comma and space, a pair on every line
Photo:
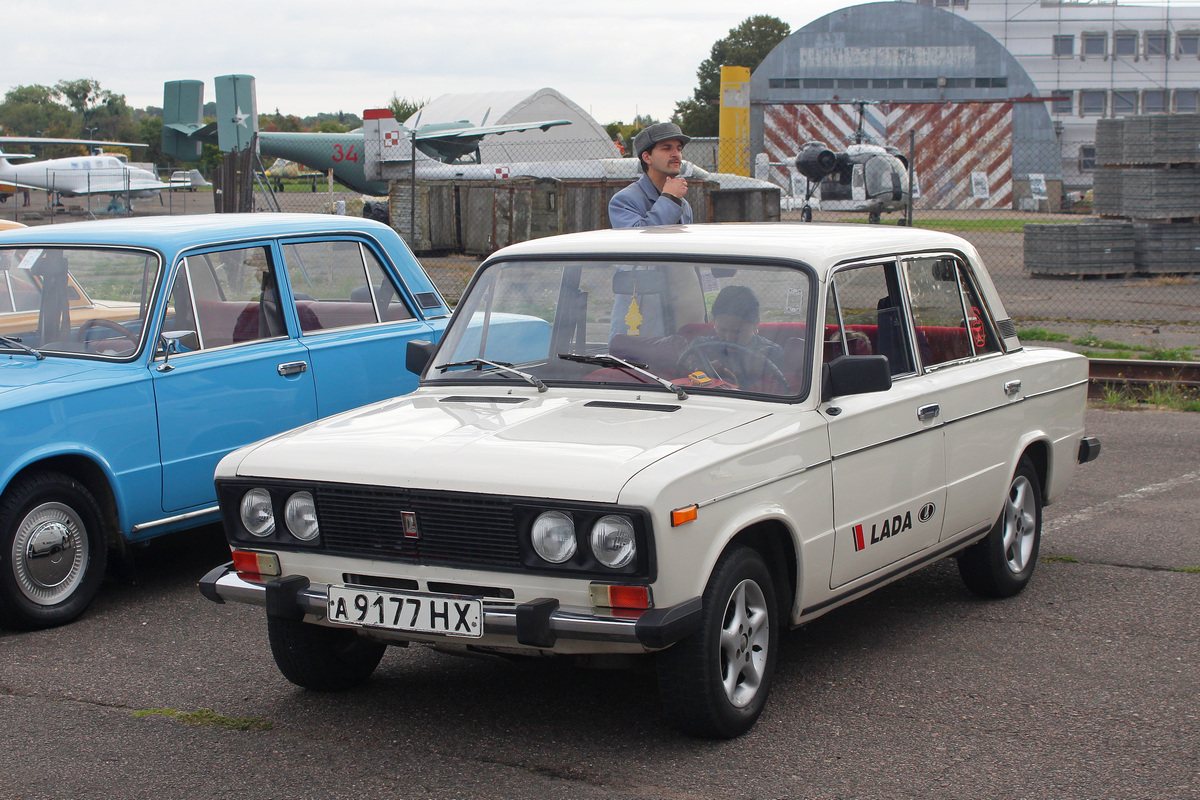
609, 360
11, 341
500, 365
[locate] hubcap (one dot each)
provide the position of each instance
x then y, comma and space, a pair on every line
745, 637
50, 553
1020, 524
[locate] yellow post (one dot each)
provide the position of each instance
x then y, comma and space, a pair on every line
733, 150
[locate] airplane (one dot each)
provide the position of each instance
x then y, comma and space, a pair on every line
98, 173
184, 129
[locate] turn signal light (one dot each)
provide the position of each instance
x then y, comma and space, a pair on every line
684, 515
254, 566
608, 596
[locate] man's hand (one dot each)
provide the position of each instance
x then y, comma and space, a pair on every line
675, 186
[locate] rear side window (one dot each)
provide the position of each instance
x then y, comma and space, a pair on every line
948, 313
339, 284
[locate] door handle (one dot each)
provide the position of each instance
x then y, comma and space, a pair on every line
1012, 388
926, 413
292, 367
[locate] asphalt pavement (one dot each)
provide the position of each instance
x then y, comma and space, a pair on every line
1087, 685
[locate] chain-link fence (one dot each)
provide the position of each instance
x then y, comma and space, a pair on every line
1102, 254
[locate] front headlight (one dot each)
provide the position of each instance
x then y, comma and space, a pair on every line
613, 541
257, 513
553, 536
300, 514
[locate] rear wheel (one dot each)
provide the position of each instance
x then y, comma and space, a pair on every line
1001, 564
715, 682
319, 658
53, 551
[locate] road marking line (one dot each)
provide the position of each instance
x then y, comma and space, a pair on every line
1091, 512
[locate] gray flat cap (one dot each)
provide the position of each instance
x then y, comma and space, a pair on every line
653, 134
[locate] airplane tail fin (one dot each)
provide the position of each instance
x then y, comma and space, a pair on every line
386, 141
183, 115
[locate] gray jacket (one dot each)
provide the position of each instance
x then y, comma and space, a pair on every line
640, 205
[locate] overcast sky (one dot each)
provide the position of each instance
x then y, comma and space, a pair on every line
615, 58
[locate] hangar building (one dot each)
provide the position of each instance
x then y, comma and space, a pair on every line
980, 128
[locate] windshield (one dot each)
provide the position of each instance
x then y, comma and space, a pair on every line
83, 301
668, 325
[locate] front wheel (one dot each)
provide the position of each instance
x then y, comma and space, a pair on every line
715, 682
319, 658
1001, 564
54, 551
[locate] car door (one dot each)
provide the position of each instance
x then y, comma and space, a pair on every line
240, 375
978, 398
889, 462
355, 319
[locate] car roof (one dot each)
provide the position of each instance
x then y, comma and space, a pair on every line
819, 245
168, 233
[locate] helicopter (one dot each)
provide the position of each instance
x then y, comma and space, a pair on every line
865, 177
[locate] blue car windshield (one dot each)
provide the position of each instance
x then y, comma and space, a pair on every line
674, 325
90, 302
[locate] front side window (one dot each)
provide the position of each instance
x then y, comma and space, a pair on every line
225, 297
949, 317
864, 315
338, 284
677, 326
90, 302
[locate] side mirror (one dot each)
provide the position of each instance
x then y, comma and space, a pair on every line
855, 375
418, 355
175, 342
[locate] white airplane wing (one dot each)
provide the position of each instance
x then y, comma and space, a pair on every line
470, 132
84, 142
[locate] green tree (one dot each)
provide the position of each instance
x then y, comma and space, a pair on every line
402, 108
35, 111
745, 46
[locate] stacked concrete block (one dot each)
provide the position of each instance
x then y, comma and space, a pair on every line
1167, 248
1080, 250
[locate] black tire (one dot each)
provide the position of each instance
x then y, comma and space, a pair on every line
806, 214
53, 552
1001, 563
714, 683
319, 658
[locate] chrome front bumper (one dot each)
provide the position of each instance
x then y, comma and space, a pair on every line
539, 623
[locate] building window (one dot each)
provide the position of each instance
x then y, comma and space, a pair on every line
887, 83
1062, 103
1125, 44
818, 83
1095, 45
1187, 44
922, 83
1087, 157
1187, 101
1156, 44
1091, 102
853, 83
1064, 46
1125, 102
784, 83
991, 83
1154, 101
959, 83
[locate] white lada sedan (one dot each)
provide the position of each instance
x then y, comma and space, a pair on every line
671, 443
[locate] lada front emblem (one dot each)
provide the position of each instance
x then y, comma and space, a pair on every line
409, 519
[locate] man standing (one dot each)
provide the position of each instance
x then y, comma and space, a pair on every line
657, 198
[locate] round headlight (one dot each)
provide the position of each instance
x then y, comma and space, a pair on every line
257, 514
300, 514
613, 542
553, 536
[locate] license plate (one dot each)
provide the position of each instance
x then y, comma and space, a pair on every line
397, 611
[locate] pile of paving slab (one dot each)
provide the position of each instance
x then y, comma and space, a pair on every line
1147, 192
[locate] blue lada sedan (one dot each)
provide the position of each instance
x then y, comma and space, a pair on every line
136, 353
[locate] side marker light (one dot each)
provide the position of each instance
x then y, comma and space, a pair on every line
681, 516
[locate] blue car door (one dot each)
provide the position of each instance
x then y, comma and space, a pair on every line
239, 375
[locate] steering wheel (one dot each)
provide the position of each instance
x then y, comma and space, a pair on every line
81, 335
700, 345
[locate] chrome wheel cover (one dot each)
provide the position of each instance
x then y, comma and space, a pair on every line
50, 553
1020, 524
745, 637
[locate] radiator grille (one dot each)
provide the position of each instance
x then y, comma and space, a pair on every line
459, 529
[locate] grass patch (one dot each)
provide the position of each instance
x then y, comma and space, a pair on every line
996, 225
1188, 570
1172, 354
209, 718
1041, 335
1059, 560
1169, 396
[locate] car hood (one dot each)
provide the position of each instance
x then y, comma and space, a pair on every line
19, 370
562, 446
